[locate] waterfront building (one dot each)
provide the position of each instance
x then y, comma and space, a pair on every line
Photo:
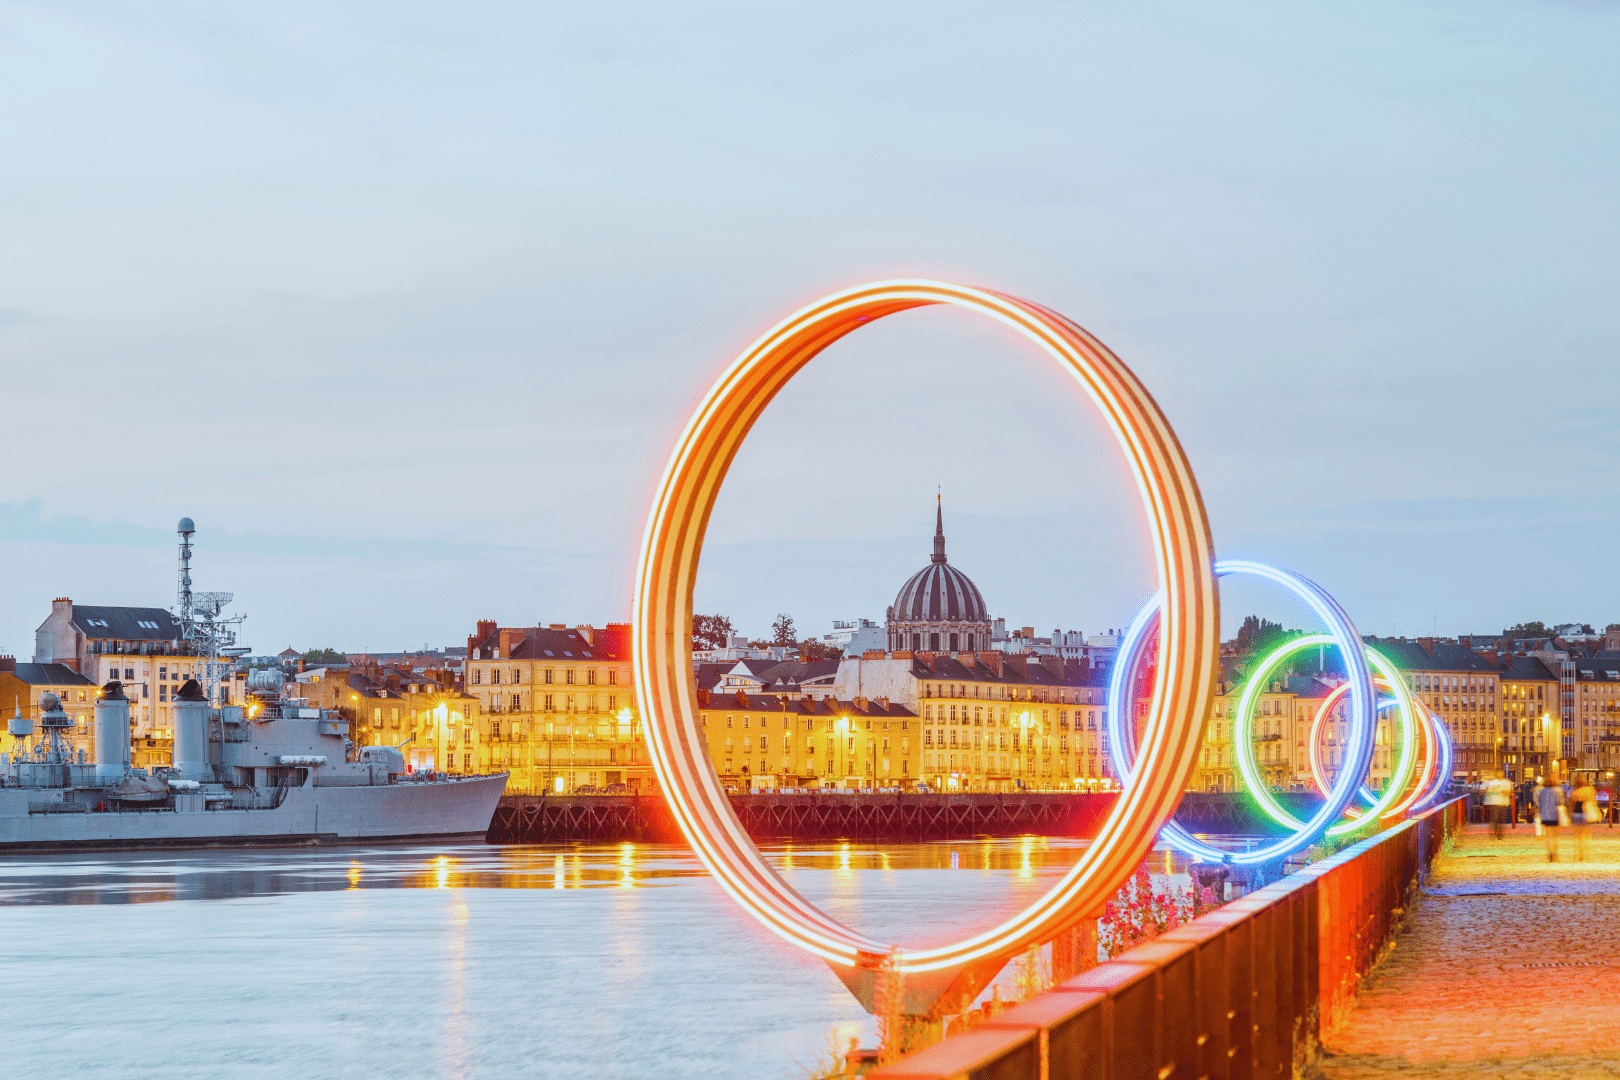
1597, 711
560, 705
436, 726
1461, 685
1532, 727
22, 684
773, 741
991, 721
140, 647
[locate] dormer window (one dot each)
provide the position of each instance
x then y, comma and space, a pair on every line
143, 624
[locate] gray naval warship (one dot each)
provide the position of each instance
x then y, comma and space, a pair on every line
268, 771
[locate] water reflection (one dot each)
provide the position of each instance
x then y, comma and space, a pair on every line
616, 960
141, 878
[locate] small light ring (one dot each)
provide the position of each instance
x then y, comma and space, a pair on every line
1122, 704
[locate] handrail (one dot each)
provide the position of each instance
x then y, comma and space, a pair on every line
1244, 991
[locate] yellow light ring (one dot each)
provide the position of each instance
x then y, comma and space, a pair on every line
667, 572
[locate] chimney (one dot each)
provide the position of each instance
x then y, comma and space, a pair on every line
8, 663
486, 629
1028, 632
1053, 664
584, 630
1427, 643
992, 660
510, 639
883, 703
557, 626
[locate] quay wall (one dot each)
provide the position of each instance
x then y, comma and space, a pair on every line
1245, 992
883, 817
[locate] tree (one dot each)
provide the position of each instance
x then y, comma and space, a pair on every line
782, 632
810, 649
1257, 633
324, 656
710, 631
1527, 630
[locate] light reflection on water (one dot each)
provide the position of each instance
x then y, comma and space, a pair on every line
460, 960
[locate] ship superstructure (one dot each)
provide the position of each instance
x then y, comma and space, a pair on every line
271, 769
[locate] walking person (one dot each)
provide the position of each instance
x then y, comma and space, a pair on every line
1551, 812
1498, 794
1583, 812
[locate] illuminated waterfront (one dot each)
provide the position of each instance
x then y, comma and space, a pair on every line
458, 961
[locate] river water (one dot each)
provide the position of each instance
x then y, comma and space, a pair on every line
462, 961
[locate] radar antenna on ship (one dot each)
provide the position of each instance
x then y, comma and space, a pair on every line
203, 632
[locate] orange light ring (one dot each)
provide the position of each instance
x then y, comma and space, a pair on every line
672, 546
1317, 773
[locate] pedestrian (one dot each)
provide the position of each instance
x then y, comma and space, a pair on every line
1583, 811
1498, 793
1533, 804
1551, 811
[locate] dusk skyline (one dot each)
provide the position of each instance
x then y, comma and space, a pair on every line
406, 309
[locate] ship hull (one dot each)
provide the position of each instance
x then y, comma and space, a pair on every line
308, 815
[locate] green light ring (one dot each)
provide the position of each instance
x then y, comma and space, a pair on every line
1243, 724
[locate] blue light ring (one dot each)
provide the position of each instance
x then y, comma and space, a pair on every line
1121, 704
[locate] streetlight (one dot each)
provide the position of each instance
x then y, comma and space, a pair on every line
843, 728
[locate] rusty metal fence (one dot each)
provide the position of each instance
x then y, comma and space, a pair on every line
1241, 993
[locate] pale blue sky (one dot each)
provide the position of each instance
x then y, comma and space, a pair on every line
405, 303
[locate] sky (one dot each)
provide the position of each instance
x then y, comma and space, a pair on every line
405, 304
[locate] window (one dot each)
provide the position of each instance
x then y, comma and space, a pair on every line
478, 676
590, 676
515, 678
569, 677
495, 676
548, 703
613, 676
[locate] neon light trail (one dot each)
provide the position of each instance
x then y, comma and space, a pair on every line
1183, 620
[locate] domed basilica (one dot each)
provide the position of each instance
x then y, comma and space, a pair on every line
939, 609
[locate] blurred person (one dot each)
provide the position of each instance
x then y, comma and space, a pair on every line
1533, 803
1583, 812
1498, 796
1552, 813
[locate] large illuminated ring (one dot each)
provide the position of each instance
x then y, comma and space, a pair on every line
1122, 711
668, 568
1389, 802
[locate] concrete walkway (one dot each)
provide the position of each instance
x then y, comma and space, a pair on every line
1510, 968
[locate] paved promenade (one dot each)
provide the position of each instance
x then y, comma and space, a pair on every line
1511, 968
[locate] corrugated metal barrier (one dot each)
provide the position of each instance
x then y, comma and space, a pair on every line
1243, 992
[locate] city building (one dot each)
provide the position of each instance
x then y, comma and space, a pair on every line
991, 721
142, 648
560, 705
770, 741
1597, 712
437, 726
22, 684
1460, 685
1532, 724
938, 609
785, 678
858, 636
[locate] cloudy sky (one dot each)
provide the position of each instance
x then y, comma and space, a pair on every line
405, 303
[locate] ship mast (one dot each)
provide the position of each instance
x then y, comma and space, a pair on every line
203, 633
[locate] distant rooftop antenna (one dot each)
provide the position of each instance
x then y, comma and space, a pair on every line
203, 632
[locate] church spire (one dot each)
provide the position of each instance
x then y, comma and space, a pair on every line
939, 530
